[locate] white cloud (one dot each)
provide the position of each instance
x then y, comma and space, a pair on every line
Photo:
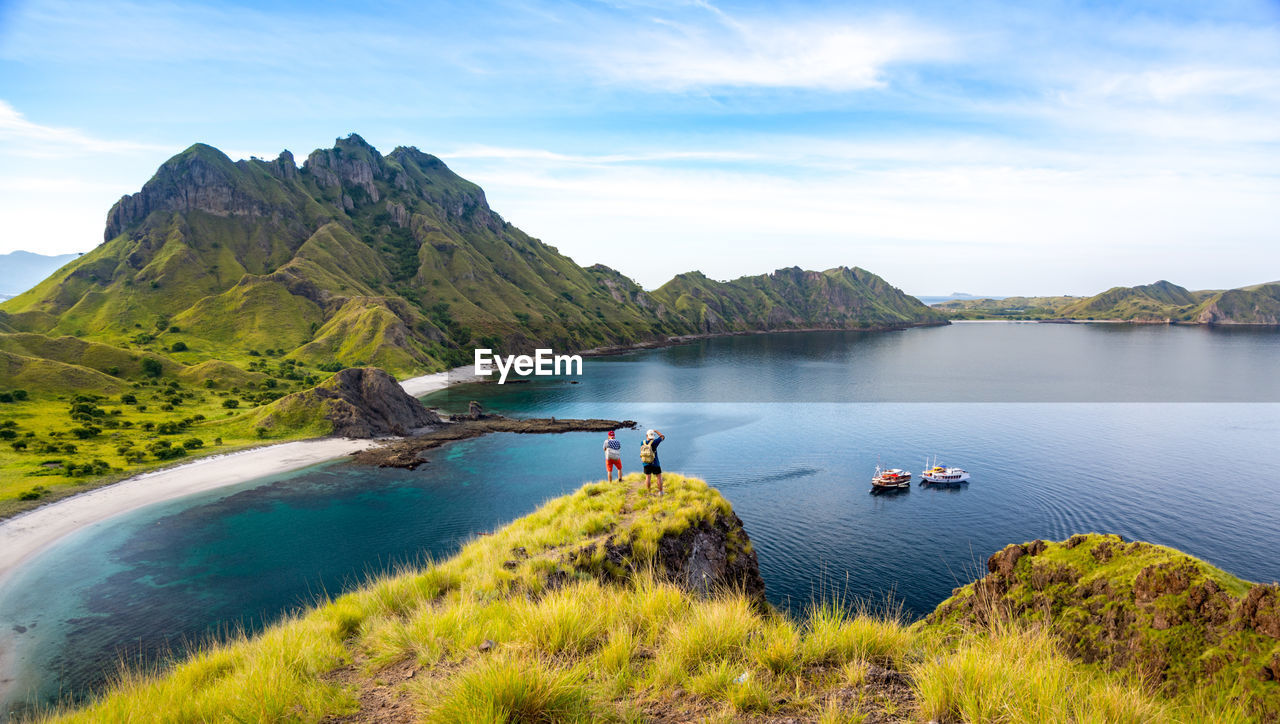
22, 137
984, 217
538, 154
772, 52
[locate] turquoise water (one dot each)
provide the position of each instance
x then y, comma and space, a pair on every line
788, 426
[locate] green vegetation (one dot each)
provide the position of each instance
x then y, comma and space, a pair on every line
64, 435
840, 298
1171, 622
241, 281
1158, 302
532, 623
392, 261
1007, 308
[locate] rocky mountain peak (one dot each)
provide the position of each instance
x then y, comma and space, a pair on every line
201, 178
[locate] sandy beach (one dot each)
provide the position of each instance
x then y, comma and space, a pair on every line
27, 534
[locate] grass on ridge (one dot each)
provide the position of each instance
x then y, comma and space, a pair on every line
522, 625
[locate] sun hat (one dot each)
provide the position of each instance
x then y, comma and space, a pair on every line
650, 434
611, 433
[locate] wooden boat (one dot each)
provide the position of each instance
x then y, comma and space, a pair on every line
890, 479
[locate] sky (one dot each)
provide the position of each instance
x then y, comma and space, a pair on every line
988, 148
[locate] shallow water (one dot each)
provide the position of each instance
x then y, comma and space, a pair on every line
788, 426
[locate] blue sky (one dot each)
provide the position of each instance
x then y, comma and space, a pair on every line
1001, 148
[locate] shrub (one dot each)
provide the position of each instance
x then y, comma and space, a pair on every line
151, 367
192, 443
33, 494
231, 403
7, 434
164, 450
178, 346
128, 399
18, 445
19, 395
85, 432
6, 397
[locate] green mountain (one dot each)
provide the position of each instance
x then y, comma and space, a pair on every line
223, 286
1159, 302
1008, 307
610, 604
394, 261
840, 298
1167, 302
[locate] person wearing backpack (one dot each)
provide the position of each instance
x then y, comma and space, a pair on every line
649, 458
612, 456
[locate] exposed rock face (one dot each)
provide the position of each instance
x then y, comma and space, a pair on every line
710, 556
366, 402
1174, 622
200, 179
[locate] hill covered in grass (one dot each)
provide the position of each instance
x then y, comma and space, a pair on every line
393, 261
223, 286
611, 604
1167, 302
1005, 308
1161, 302
1148, 612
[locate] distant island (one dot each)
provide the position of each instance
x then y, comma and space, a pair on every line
226, 293
1161, 302
21, 270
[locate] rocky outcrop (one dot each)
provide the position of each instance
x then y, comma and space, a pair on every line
367, 402
201, 178
710, 556
408, 453
360, 402
1130, 606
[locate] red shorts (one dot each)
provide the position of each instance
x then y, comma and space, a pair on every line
610, 464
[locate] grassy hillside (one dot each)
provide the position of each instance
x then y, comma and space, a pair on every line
1007, 308
249, 280
1166, 302
571, 614
840, 298
1148, 612
1158, 302
358, 258
84, 413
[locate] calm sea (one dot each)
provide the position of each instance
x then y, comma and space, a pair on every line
1166, 434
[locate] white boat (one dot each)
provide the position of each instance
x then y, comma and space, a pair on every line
943, 475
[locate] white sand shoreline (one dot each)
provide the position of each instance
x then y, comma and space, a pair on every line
27, 534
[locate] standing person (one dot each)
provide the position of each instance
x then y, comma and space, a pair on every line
649, 456
612, 456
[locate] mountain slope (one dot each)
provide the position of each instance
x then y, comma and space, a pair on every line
1167, 302
840, 298
359, 258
